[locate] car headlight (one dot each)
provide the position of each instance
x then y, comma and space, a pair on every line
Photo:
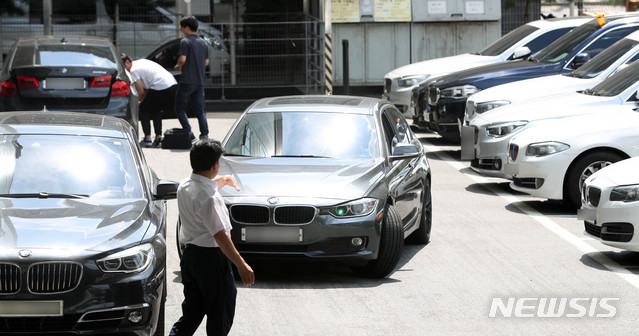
459, 91
361, 207
411, 80
489, 105
504, 128
546, 148
135, 259
629, 193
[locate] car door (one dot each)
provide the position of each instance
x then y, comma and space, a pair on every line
405, 186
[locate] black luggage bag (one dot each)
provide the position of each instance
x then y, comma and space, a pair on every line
176, 138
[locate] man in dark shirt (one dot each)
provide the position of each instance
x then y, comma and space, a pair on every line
193, 58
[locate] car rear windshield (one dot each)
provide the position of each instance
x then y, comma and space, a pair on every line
508, 40
602, 61
304, 134
558, 50
617, 83
65, 54
95, 167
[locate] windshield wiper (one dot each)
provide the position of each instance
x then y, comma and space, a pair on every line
233, 154
304, 156
43, 195
590, 92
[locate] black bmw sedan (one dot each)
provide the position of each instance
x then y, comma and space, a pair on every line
67, 73
82, 227
339, 178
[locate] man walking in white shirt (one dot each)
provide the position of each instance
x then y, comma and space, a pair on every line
207, 275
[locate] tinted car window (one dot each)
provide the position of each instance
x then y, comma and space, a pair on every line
81, 55
136, 11
607, 39
559, 49
545, 39
64, 11
617, 83
508, 40
101, 168
304, 134
600, 63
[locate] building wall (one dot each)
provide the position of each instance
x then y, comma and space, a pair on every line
377, 48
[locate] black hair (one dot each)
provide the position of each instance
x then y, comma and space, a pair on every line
189, 21
204, 154
125, 58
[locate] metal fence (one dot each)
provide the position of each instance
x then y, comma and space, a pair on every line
243, 56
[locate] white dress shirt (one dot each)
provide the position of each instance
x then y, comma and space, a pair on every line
202, 211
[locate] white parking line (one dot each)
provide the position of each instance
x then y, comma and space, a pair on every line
548, 223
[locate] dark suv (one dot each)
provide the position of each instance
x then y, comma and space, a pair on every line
445, 98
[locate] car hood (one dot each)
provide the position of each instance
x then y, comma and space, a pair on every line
557, 106
444, 65
71, 224
534, 88
301, 177
499, 73
621, 173
599, 125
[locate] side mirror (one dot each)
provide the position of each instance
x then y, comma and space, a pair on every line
521, 52
405, 151
166, 190
579, 60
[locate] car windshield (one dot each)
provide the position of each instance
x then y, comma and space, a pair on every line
617, 83
304, 134
508, 40
65, 54
602, 61
70, 165
558, 50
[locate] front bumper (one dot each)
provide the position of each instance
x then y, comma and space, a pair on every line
350, 240
445, 117
611, 223
487, 154
100, 304
539, 176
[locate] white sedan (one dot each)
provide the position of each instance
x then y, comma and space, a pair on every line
553, 157
491, 131
519, 43
610, 205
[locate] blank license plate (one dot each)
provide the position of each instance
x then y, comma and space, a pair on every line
64, 83
272, 234
30, 308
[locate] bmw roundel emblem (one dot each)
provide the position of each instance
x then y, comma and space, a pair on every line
64, 70
24, 253
273, 200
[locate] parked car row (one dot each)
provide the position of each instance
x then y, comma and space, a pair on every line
560, 124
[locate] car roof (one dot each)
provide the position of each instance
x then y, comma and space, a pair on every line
57, 39
62, 123
318, 103
560, 22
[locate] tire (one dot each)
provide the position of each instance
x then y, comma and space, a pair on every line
180, 247
581, 169
422, 234
391, 245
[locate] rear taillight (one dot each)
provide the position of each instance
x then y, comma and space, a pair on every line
119, 89
8, 89
27, 82
103, 81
